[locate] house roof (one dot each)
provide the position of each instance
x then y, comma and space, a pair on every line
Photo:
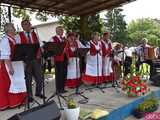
68, 7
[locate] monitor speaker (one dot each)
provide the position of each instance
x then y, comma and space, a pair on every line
155, 79
47, 111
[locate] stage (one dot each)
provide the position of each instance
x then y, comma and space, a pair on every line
112, 100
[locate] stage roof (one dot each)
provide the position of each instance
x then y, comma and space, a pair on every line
68, 7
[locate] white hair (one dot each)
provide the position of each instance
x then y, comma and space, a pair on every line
8, 27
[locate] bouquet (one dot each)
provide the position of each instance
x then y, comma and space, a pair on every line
132, 84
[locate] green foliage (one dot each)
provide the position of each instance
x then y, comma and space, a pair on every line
116, 24
96, 24
144, 28
84, 25
20, 13
42, 16
148, 105
25, 14
70, 23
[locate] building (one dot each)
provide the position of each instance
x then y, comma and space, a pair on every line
46, 30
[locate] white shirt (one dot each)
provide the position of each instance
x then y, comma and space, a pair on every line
5, 48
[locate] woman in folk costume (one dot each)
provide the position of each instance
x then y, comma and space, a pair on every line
93, 72
107, 61
73, 68
12, 83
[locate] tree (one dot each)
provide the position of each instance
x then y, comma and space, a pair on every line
21, 13
144, 28
84, 25
3, 17
70, 23
116, 25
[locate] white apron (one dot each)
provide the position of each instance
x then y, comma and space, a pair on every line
94, 63
73, 70
18, 84
107, 63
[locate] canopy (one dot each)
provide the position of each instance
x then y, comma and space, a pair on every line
68, 7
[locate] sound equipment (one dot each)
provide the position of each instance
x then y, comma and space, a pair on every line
155, 67
155, 79
155, 72
47, 111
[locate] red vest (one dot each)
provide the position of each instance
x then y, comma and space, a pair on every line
58, 58
68, 50
12, 46
24, 40
106, 51
93, 50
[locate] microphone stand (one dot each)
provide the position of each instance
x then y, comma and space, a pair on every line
114, 84
97, 80
78, 84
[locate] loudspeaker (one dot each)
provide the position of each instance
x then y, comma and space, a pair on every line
47, 111
156, 79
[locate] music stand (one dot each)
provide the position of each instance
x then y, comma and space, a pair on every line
26, 53
80, 52
53, 49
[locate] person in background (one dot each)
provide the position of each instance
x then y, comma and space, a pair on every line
128, 60
60, 61
141, 52
107, 61
12, 82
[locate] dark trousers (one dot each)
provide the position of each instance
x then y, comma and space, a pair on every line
34, 69
60, 75
127, 65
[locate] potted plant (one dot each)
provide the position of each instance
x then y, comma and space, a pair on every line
72, 111
149, 105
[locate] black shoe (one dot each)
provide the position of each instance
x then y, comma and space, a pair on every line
30, 99
63, 91
40, 96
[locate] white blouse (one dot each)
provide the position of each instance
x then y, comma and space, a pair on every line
5, 50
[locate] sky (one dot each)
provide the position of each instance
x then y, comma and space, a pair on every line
132, 11
142, 9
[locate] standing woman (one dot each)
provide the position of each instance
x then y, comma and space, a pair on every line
93, 72
12, 83
107, 60
73, 68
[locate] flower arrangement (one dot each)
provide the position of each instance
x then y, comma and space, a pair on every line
132, 84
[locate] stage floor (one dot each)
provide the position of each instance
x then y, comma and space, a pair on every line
110, 100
